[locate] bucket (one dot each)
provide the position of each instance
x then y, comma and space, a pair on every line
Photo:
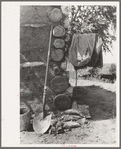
25, 116
62, 102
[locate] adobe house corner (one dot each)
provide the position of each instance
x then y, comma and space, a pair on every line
35, 27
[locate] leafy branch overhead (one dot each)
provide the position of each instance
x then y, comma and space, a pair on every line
94, 19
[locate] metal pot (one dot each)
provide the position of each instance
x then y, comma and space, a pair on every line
25, 116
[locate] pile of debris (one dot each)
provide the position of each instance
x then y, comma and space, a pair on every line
72, 118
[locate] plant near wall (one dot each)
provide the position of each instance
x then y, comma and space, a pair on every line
94, 19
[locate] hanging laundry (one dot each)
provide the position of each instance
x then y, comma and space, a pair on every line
86, 50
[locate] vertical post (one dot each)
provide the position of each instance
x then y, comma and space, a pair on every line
76, 78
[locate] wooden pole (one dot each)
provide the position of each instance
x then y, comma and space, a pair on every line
76, 78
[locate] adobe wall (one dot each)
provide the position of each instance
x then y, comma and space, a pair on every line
33, 48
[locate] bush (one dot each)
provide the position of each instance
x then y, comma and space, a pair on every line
112, 70
94, 72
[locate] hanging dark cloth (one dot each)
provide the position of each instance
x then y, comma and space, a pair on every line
86, 50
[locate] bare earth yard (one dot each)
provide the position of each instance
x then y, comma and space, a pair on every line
100, 129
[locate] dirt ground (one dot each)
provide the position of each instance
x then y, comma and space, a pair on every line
100, 129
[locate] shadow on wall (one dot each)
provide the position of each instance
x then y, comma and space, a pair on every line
102, 103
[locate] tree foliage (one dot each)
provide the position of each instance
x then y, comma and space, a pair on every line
94, 19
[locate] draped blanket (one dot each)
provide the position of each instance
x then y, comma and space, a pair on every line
86, 50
